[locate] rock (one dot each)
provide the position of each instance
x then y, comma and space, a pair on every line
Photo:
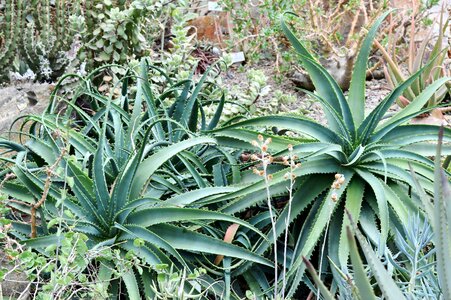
15, 283
339, 67
22, 99
211, 28
405, 4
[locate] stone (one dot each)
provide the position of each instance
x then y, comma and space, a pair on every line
15, 285
405, 4
21, 99
339, 67
212, 28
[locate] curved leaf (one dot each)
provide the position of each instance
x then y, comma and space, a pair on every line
184, 239
354, 199
356, 97
296, 124
157, 215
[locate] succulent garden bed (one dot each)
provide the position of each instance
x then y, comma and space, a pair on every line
225, 150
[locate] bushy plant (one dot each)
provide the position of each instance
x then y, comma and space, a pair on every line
9, 35
49, 39
64, 271
116, 32
170, 284
320, 22
253, 97
39, 37
125, 173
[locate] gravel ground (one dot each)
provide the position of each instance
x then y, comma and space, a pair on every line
376, 90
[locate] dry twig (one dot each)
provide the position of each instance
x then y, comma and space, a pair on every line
50, 171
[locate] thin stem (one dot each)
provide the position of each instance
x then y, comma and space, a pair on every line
45, 192
273, 223
322, 256
265, 160
287, 224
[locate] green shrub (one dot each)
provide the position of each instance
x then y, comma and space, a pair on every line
39, 37
43, 40
257, 32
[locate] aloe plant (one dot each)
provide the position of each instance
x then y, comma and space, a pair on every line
372, 153
127, 178
417, 58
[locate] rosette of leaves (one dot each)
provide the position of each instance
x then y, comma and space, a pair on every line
371, 151
126, 173
425, 271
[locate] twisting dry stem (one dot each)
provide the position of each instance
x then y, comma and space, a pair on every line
373, 68
8, 176
50, 170
412, 39
353, 25
328, 45
277, 54
365, 12
337, 21
335, 12
312, 15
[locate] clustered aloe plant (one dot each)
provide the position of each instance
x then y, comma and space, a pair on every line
121, 174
